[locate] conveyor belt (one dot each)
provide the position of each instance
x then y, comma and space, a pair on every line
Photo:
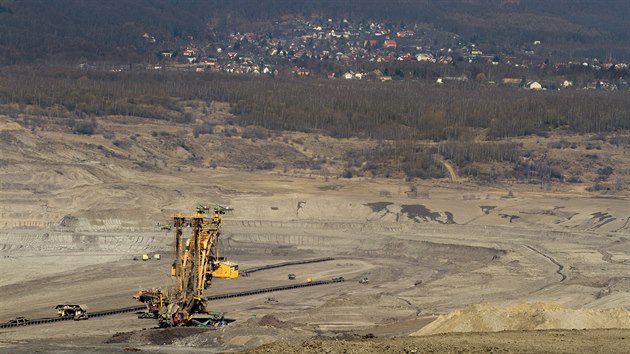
275, 288
143, 307
246, 272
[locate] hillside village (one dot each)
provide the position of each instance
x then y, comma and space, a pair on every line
382, 52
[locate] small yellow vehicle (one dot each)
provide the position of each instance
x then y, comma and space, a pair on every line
78, 312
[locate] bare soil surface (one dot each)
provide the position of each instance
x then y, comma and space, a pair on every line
445, 259
577, 341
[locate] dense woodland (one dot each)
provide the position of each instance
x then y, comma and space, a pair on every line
390, 111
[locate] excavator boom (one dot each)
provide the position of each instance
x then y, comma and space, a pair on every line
196, 263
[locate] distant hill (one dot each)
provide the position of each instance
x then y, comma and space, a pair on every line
69, 31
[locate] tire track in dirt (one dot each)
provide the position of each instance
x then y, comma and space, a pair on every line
452, 173
552, 260
606, 256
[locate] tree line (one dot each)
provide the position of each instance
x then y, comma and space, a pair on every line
468, 121
341, 108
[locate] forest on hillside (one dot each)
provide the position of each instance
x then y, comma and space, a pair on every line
42, 43
340, 108
69, 31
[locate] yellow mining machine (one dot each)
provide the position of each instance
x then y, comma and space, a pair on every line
197, 261
154, 299
78, 312
208, 237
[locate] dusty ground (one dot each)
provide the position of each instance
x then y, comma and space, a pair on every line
577, 341
73, 217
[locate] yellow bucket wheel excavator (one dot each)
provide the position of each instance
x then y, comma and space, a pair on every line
197, 261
